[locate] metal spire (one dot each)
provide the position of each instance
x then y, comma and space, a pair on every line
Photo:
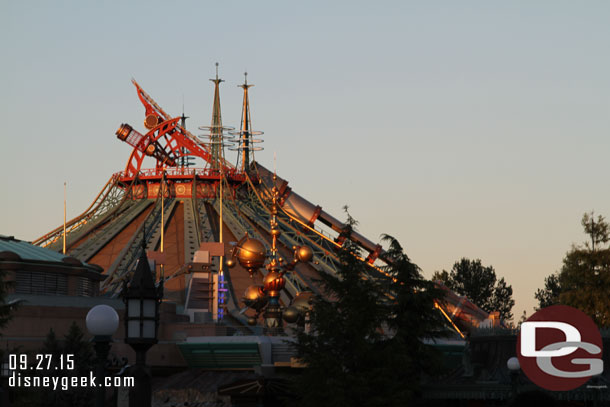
246, 126
183, 117
214, 132
184, 160
216, 128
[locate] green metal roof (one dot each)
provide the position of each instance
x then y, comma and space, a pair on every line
65, 301
221, 355
28, 251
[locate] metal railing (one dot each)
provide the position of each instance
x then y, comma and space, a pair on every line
183, 171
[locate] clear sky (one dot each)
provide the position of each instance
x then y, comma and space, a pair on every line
471, 128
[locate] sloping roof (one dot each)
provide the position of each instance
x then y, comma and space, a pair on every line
65, 301
28, 251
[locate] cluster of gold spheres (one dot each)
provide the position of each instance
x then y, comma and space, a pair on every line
251, 255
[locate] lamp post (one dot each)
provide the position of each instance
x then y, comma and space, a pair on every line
513, 366
142, 300
102, 322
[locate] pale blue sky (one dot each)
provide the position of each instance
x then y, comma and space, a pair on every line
473, 128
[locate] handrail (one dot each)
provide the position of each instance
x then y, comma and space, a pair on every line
174, 172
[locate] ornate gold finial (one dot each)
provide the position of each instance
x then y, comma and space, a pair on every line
250, 254
275, 231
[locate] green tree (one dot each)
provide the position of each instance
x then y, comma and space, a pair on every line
414, 322
479, 283
74, 343
585, 283
442, 276
597, 230
51, 345
549, 295
342, 348
584, 279
364, 345
502, 299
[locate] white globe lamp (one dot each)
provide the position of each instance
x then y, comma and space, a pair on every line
513, 364
102, 320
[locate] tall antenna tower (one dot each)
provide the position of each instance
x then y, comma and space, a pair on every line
214, 132
244, 137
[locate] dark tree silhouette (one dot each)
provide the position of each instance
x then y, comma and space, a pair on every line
479, 283
365, 343
584, 279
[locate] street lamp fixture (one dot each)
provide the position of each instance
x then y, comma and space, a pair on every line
514, 367
142, 298
102, 322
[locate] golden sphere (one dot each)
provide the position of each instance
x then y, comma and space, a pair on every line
254, 292
273, 283
230, 263
251, 254
275, 232
303, 301
291, 315
304, 254
255, 297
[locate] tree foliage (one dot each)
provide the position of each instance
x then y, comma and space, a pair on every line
479, 283
585, 283
502, 299
363, 347
549, 295
74, 343
413, 320
584, 279
597, 229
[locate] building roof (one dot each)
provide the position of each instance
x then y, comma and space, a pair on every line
28, 251
64, 301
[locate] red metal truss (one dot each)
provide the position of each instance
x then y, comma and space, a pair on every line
156, 118
164, 142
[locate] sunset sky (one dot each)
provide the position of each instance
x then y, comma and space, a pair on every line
465, 129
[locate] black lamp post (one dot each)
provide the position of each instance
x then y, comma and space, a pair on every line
142, 299
102, 321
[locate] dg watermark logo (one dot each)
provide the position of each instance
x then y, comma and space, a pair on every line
560, 348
